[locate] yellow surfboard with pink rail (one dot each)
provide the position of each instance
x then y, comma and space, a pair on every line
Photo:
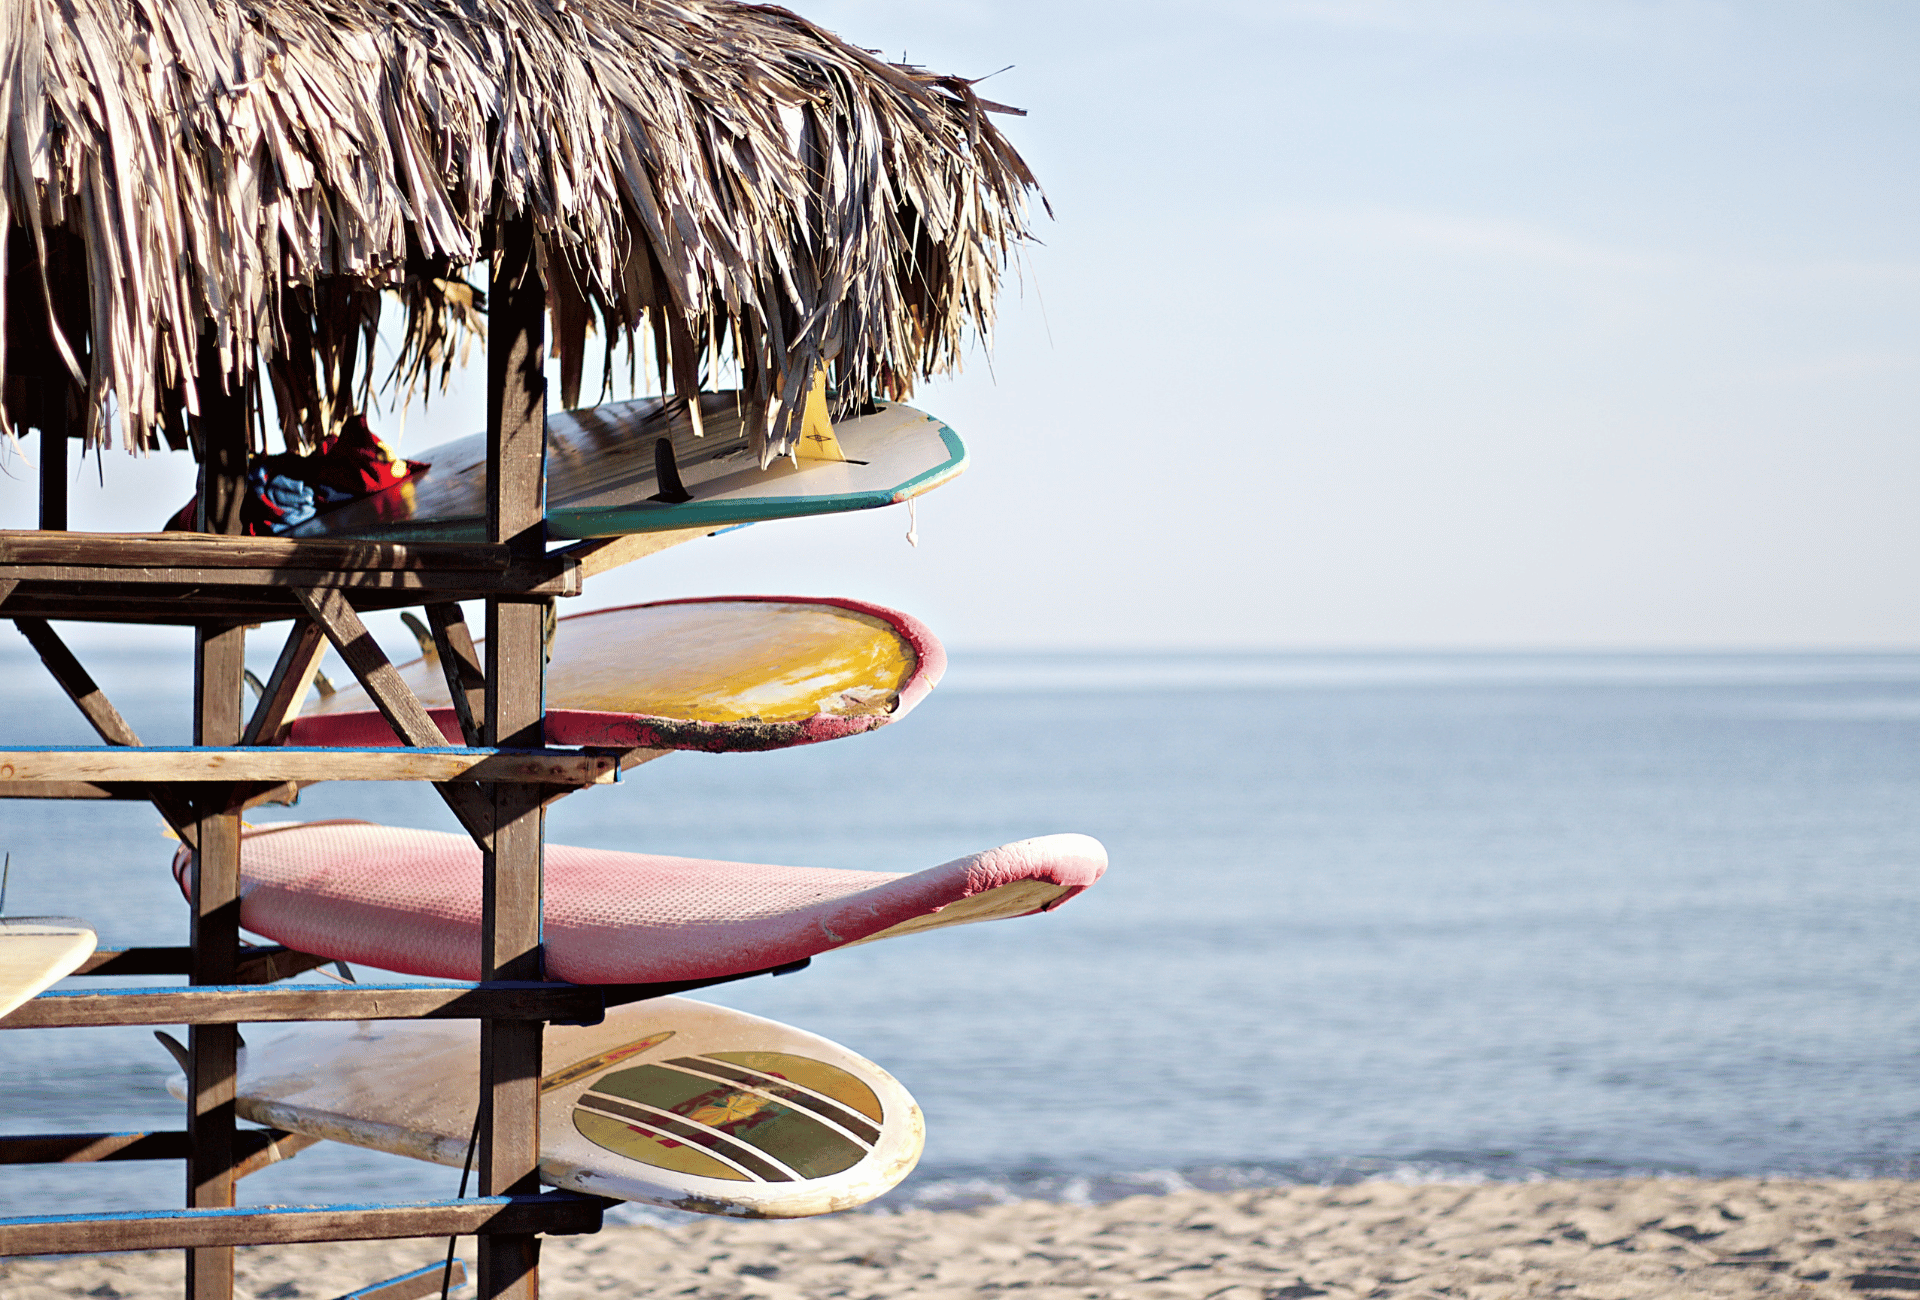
717, 674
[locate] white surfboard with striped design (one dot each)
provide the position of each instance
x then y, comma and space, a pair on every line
671, 1102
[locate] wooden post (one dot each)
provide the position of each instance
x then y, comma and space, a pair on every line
53, 463
218, 685
220, 439
516, 671
219, 665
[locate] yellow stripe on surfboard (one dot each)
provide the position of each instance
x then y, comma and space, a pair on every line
816, 430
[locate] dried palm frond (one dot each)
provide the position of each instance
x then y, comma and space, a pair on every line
246, 177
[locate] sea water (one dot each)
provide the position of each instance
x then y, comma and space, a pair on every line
1421, 916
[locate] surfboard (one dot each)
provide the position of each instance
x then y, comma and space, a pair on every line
409, 901
37, 951
671, 1102
634, 467
715, 674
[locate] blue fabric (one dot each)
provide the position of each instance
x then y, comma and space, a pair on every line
283, 502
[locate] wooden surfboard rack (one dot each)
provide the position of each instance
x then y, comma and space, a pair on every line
219, 583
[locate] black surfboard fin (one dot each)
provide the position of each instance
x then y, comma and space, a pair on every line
667, 471
175, 1048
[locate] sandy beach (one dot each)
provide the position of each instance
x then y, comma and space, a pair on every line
1603, 1240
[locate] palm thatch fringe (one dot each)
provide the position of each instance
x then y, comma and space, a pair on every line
236, 184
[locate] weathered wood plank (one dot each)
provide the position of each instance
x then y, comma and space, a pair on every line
551, 1212
510, 1064
53, 464
273, 765
600, 554
67, 790
253, 965
86, 1148
256, 1151
532, 577
287, 686
375, 672
460, 661
77, 682
101, 715
208, 551
246, 1004
257, 1148
427, 1281
221, 438
213, 1071
123, 603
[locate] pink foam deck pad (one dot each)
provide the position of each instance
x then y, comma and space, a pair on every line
409, 901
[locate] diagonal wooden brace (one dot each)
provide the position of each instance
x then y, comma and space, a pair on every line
105, 719
287, 687
466, 675
395, 700
328, 608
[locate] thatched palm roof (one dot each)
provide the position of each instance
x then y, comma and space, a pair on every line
702, 175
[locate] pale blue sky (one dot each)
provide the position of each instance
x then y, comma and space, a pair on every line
1405, 323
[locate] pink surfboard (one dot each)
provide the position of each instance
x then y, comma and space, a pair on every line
409, 901
720, 673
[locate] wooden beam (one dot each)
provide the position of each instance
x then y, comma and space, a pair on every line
287, 686
599, 554
87, 1148
402, 708
270, 765
53, 461
460, 661
384, 685
180, 604
137, 551
510, 1054
431, 1280
67, 790
266, 964
101, 715
393, 697
76, 682
214, 937
536, 577
245, 1004
256, 1154
552, 1212
257, 1147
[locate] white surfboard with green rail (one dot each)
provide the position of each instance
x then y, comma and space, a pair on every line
638, 467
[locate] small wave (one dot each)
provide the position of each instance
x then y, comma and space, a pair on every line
972, 1189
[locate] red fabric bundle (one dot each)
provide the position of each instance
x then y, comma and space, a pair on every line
353, 463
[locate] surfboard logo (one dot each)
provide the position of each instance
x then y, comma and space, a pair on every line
767, 1117
594, 1064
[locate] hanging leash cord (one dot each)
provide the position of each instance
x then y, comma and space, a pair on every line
446, 1273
